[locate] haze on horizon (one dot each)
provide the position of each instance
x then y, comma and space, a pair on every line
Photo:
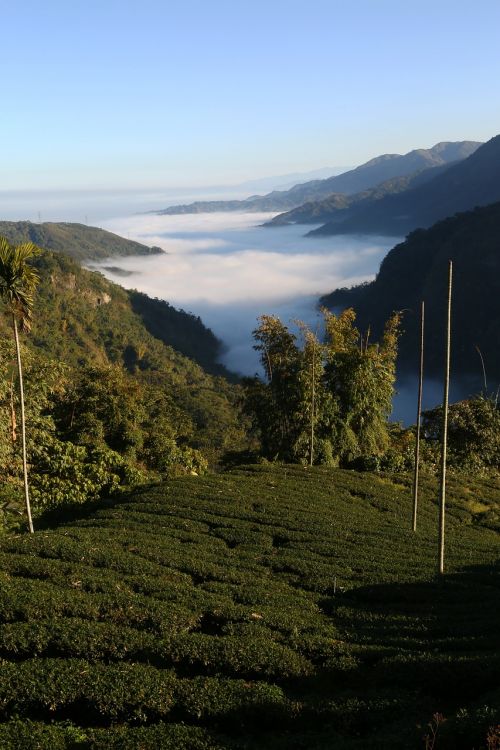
136, 95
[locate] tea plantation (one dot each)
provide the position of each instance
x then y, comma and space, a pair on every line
266, 608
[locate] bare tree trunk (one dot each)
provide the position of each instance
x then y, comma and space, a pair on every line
23, 426
313, 404
442, 489
485, 392
13, 420
419, 416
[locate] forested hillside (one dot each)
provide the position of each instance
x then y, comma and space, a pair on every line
472, 182
109, 401
340, 205
79, 312
416, 270
77, 240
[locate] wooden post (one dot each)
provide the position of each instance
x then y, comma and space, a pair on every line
442, 489
313, 404
419, 415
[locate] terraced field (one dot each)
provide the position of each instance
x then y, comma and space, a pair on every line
279, 608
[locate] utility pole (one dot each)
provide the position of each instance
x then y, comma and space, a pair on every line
419, 416
442, 489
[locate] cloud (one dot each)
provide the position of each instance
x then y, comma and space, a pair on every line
150, 225
225, 259
228, 270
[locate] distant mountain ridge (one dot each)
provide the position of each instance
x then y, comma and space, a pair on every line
76, 240
364, 177
337, 205
474, 181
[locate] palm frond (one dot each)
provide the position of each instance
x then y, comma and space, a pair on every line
18, 279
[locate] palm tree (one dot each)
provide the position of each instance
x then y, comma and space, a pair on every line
18, 281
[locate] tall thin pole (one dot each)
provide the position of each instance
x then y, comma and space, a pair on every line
23, 426
419, 416
313, 404
442, 489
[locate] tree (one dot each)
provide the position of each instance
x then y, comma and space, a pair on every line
323, 403
360, 377
277, 405
18, 282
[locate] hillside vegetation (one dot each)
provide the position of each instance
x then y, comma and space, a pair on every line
109, 398
416, 270
79, 314
77, 240
475, 181
263, 609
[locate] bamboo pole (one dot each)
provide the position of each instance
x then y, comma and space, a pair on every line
23, 426
313, 404
419, 416
442, 488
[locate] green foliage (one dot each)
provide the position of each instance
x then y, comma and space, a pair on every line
77, 240
226, 612
91, 432
65, 473
341, 390
473, 433
361, 376
123, 407
84, 320
18, 279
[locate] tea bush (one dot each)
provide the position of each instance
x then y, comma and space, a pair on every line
268, 607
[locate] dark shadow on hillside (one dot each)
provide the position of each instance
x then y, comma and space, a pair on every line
67, 514
183, 331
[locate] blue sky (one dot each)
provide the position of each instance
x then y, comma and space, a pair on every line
149, 94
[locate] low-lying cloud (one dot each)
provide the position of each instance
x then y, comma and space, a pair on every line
229, 270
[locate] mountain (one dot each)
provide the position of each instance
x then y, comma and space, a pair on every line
336, 206
77, 240
286, 181
364, 177
416, 270
475, 181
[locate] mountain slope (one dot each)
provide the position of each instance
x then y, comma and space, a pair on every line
81, 318
337, 205
416, 270
77, 240
356, 180
472, 182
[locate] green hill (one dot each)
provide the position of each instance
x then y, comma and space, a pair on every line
416, 270
81, 318
77, 240
475, 181
264, 609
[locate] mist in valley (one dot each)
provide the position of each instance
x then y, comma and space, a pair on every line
228, 269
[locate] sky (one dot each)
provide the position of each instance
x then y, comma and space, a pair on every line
157, 93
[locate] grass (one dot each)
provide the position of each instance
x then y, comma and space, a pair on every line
263, 608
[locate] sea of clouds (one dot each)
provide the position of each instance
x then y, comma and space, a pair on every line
228, 269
